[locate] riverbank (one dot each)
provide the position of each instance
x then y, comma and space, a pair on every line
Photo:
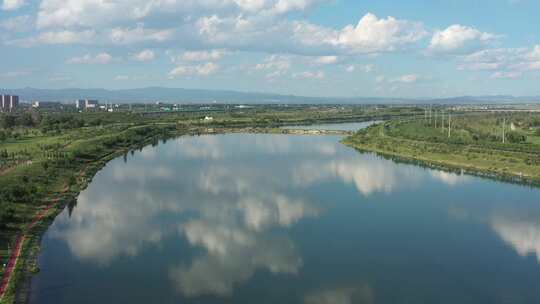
75, 175
508, 162
84, 162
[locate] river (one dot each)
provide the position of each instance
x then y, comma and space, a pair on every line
258, 218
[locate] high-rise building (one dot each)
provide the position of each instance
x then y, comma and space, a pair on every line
4, 101
8, 103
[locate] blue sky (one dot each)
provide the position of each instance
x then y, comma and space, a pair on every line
416, 48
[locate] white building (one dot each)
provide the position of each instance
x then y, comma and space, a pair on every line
86, 104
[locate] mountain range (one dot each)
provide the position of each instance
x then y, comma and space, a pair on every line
179, 95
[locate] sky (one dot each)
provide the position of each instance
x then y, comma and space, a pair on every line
341, 48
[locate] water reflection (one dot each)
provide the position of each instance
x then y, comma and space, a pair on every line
520, 232
369, 174
451, 179
363, 294
233, 254
216, 219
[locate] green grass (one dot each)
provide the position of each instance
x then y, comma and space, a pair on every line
471, 146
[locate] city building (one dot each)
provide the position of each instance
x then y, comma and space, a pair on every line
46, 105
86, 104
8, 103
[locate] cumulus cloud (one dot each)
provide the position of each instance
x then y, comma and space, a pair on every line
145, 55
11, 5
76, 13
194, 70
372, 35
102, 58
459, 39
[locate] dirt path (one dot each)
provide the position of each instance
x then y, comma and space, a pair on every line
12, 262
17, 249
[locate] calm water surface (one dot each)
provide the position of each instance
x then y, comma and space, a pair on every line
289, 219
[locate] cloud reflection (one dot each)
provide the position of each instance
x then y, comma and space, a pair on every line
369, 175
344, 295
233, 256
523, 234
233, 209
450, 179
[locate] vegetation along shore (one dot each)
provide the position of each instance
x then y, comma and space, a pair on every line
500, 145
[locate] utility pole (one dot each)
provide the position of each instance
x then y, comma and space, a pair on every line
442, 122
504, 131
449, 124
435, 119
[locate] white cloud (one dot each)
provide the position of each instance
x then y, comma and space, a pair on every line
203, 55
102, 58
350, 68
139, 34
372, 35
458, 39
194, 70
504, 63
11, 5
145, 55
326, 60
274, 62
97, 13
310, 75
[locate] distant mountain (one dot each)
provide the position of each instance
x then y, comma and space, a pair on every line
178, 95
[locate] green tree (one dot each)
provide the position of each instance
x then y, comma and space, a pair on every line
7, 121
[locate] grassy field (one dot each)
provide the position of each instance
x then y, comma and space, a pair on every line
474, 144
